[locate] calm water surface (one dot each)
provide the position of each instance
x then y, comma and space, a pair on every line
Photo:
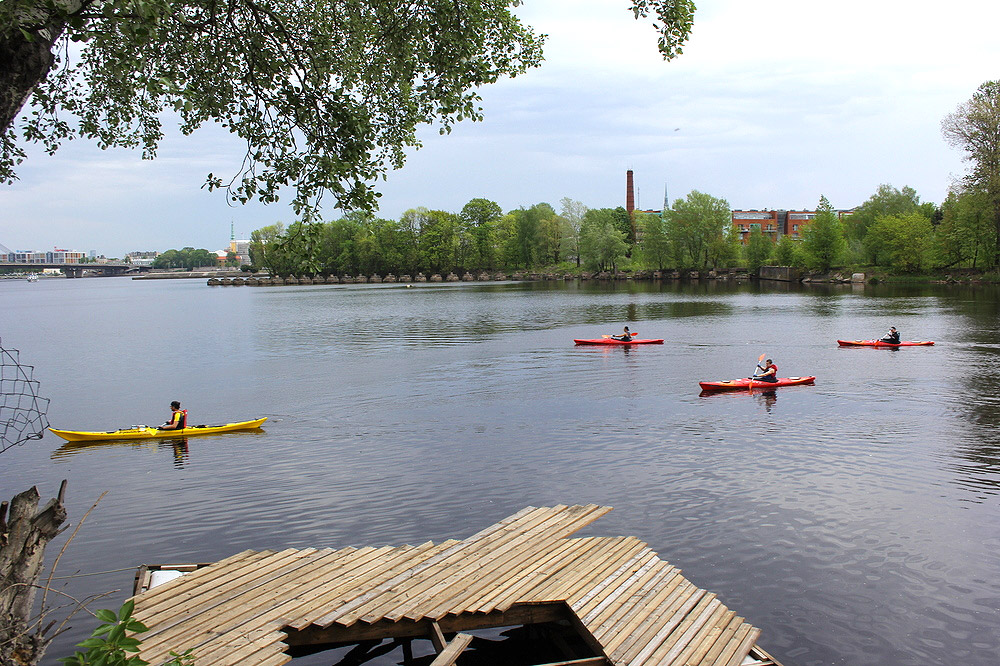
856, 521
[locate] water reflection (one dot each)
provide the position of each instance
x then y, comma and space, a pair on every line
177, 446
765, 398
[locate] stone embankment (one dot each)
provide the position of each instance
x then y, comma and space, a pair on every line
266, 280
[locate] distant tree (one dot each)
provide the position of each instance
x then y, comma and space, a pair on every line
974, 128
232, 259
626, 224
438, 241
758, 250
904, 242
602, 242
966, 234
479, 218
573, 212
655, 244
823, 239
786, 251
527, 243
261, 242
694, 224
887, 200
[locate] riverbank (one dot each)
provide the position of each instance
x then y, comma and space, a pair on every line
184, 275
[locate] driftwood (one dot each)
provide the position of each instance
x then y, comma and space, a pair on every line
24, 532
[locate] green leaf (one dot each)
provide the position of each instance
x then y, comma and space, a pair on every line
126, 610
105, 615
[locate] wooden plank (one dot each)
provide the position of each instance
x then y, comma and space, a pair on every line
742, 646
570, 570
668, 628
450, 586
517, 615
207, 601
478, 580
413, 587
661, 619
617, 586
161, 593
621, 598
221, 587
242, 613
594, 567
663, 576
236, 650
644, 614
699, 644
342, 589
359, 594
449, 655
681, 638
437, 638
711, 657
501, 598
362, 604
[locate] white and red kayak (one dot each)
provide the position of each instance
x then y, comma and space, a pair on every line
613, 341
883, 343
749, 384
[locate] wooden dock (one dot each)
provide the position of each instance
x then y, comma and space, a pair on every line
625, 604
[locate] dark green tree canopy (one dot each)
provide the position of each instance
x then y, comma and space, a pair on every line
974, 128
327, 94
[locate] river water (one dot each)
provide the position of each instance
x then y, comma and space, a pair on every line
856, 521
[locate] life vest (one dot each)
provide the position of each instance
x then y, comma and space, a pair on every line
180, 417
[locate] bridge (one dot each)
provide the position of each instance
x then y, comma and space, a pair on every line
80, 270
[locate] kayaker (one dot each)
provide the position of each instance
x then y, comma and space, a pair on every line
892, 337
768, 372
178, 417
624, 337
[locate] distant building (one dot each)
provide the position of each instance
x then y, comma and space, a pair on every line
776, 223
143, 258
242, 250
26, 257
60, 256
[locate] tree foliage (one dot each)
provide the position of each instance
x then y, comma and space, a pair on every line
823, 239
187, 257
966, 234
758, 250
602, 241
974, 128
903, 242
655, 242
697, 226
887, 200
326, 95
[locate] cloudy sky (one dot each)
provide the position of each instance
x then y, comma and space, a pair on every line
772, 104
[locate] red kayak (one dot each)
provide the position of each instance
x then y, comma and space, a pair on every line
747, 383
882, 343
612, 341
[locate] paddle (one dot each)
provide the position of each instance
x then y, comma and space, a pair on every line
759, 359
633, 335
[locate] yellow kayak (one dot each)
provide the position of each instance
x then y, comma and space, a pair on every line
151, 432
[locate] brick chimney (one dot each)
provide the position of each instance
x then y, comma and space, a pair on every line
629, 193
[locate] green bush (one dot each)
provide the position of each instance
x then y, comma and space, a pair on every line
109, 645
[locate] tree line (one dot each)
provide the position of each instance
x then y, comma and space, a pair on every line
892, 230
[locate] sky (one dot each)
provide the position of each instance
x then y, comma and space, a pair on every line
771, 105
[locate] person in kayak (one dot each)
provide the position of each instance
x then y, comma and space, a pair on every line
178, 417
767, 373
892, 337
624, 337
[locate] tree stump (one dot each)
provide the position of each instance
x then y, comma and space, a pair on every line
24, 533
